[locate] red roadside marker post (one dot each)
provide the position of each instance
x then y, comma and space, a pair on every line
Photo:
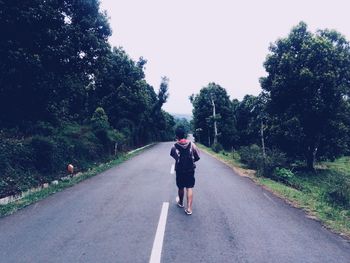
70, 169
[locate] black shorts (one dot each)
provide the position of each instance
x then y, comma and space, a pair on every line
185, 179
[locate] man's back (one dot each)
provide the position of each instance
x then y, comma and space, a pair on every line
180, 150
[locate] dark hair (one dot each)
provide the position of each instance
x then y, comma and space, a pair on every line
180, 133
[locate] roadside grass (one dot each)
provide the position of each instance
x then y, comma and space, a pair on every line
341, 165
63, 184
231, 159
309, 191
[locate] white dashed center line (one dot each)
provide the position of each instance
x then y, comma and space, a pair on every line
158, 240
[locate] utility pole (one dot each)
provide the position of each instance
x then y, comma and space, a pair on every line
215, 127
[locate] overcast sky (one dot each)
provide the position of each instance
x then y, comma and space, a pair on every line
194, 42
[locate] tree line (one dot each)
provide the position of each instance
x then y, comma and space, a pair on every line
66, 95
303, 111
57, 65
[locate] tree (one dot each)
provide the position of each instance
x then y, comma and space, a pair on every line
246, 120
308, 87
159, 119
56, 66
51, 52
163, 93
124, 94
203, 115
167, 134
65, 95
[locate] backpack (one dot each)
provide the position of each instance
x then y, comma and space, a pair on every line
185, 161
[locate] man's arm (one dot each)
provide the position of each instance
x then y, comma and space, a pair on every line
196, 154
173, 153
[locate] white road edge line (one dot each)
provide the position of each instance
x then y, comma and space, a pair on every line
172, 169
158, 240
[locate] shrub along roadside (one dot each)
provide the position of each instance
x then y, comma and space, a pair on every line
311, 192
29, 161
37, 196
270, 166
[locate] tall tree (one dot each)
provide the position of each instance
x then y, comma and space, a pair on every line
203, 115
308, 87
51, 52
247, 124
132, 105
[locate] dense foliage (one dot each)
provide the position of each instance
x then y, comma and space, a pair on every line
308, 87
303, 110
66, 96
203, 118
51, 52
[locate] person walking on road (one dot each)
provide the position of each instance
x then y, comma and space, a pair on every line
185, 154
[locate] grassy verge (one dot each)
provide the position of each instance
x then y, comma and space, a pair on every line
42, 194
231, 159
309, 193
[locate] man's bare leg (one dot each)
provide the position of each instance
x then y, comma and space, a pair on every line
189, 199
181, 193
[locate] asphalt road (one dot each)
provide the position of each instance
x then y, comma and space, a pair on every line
113, 217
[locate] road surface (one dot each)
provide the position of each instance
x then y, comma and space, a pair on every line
114, 217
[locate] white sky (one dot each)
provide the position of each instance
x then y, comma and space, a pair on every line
194, 42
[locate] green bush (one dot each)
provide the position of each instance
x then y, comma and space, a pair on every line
99, 120
15, 154
235, 155
43, 153
338, 191
28, 162
251, 156
283, 173
274, 158
16, 181
17, 168
277, 157
217, 147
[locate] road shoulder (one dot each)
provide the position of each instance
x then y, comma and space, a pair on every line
291, 196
